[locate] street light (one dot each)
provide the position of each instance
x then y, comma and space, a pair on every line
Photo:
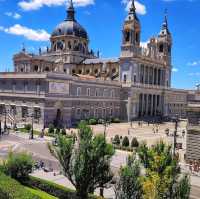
32, 133
176, 120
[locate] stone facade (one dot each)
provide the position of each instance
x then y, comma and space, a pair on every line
68, 82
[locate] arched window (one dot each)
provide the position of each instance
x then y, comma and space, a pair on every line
36, 68
125, 78
80, 71
127, 36
46, 69
137, 37
69, 45
161, 48
73, 71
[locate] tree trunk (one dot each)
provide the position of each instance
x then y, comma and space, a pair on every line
82, 194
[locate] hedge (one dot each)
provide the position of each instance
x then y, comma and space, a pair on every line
40, 193
11, 189
53, 189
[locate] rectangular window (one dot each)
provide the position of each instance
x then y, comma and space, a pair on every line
97, 92
24, 112
78, 91
88, 91
37, 113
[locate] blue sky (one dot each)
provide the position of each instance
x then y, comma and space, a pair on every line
32, 21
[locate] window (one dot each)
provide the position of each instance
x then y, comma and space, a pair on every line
36, 68
13, 110
161, 48
137, 37
78, 91
88, 91
24, 112
80, 71
37, 113
125, 78
112, 93
46, 69
97, 92
78, 112
127, 36
2, 108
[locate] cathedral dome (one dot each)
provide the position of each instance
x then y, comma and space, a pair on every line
70, 26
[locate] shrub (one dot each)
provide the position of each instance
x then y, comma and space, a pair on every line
92, 121
57, 131
53, 189
63, 131
100, 121
125, 142
11, 189
19, 166
51, 129
28, 127
115, 120
116, 140
134, 142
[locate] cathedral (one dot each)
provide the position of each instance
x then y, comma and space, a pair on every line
69, 82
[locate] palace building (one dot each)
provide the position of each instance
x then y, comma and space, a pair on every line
68, 82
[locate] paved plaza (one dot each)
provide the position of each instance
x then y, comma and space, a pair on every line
38, 148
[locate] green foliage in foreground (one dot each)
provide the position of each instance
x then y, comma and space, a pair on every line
11, 189
18, 166
85, 163
53, 189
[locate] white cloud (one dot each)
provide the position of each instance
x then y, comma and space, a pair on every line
194, 74
140, 8
175, 70
13, 15
30, 34
194, 63
37, 4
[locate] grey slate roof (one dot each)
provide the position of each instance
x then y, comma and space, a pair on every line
101, 60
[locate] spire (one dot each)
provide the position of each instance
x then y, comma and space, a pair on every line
165, 23
23, 48
132, 8
70, 11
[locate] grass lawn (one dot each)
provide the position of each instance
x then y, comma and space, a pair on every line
40, 193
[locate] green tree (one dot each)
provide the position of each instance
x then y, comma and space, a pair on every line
129, 184
116, 140
51, 129
86, 163
19, 165
28, 127
125, 142
162, 179
134, 142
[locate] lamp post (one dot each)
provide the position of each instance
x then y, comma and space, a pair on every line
176, 120
5, 122
32, 133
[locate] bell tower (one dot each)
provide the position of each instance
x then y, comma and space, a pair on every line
165, 42
131, 33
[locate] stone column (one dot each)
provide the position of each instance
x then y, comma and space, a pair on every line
153, 76
148, 75
155, 112
144, 76
142, 105
147, 104
151, 105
